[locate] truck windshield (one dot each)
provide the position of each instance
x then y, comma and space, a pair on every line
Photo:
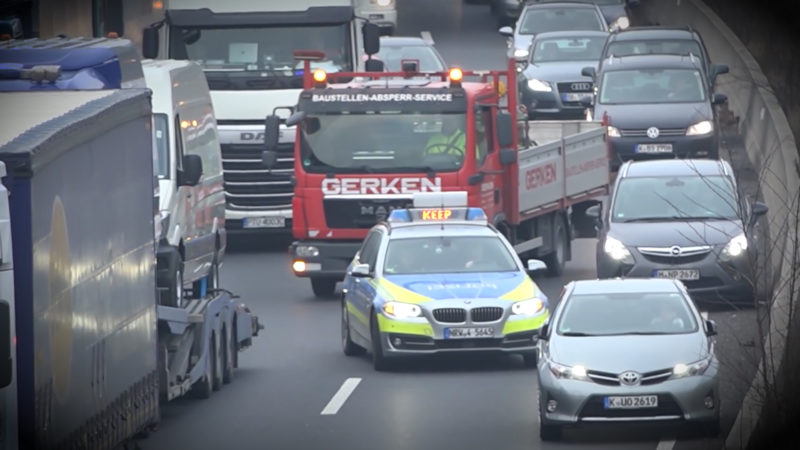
261, 58
448, 254
383, 142
161, 147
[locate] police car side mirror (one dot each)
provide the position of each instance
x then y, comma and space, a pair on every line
535, 265
361, 271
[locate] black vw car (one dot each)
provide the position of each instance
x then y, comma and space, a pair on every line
657, 106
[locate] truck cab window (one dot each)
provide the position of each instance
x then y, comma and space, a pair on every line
482, 135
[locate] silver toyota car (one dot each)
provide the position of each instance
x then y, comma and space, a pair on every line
627, 350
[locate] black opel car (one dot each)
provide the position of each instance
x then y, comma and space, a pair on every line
658, 106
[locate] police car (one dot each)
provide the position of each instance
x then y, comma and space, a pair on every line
438, 278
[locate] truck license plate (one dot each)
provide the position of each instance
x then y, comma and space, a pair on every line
263, 222
462, 333
631, 402
678, 274
654, 148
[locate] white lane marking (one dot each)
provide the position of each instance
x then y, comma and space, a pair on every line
666, 444
427, 37
340, 396
704, 315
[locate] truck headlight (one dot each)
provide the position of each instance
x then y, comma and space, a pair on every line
735, 247
567, 372
528, 307
690, 370
613, 131
617, 250
306, 251
700, 128
400, 310
539, 86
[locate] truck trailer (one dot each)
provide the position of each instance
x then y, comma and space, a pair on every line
365, 148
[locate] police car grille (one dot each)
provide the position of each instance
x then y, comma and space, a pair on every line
249, 185
486, 314
594, 407
450, 315
359, 213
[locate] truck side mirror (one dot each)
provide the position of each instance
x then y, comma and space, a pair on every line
150, 42
372, 38
373, 65
295, 118
192, 170
593, 212
272, 132
269, 158
6, 363
507, 156
589, 72
505, 130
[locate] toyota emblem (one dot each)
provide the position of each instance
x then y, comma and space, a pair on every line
675, 251
652, 132
629, 378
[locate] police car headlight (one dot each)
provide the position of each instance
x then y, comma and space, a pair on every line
617, 250
567, 372
528, 307
736, 247
401, 310
693, 369
539, 85
306, 251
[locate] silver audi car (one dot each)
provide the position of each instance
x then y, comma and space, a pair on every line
627, 350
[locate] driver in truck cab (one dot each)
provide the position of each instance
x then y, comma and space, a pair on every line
451, 140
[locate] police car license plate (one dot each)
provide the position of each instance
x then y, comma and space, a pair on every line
678, 274
263, 222
654, 148
462, 333
631, 402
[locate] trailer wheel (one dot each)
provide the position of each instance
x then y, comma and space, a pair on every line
557, 258
323, 287
217, 362
205, 386
230, 353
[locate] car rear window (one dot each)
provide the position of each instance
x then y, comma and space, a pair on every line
446, 254
544, 20
626, 314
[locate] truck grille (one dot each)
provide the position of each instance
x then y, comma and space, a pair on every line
249, 185
359, 213
486, 314
450, 315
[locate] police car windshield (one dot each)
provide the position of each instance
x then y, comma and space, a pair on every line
260, 58
395, 142
447, 254
674, 198
620, 314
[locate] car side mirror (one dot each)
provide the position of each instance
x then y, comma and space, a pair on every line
535, 265
544, 331
150, 42
720, 69
361, 271
192, 170
593, 212
587, 102
505, 130
719, 99
506, 31
711, 328
757, 210
589, 72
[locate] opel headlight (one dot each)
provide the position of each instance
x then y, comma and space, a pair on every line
690, 370
617, 250
401, 310
306, 251
528, 307
568, 372
539, 85
736, 247
700, 128
520, 53
613, 131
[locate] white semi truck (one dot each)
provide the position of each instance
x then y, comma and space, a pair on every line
246, 49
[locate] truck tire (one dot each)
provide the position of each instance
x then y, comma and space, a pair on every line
556, 259
217, 362
349, 347
174, 295
379, 361
229, 348
323, 287
205, 386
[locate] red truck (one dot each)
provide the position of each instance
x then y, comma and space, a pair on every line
367, 141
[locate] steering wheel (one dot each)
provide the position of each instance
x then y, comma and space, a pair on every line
447, 147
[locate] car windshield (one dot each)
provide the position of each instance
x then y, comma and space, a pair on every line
393, 57
652, 86
161, 146
542, 20
397, 142
626, 314
260, 58
568, 49
653, 46
448, 254
674, 198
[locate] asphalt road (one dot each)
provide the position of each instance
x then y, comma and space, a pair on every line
284, 395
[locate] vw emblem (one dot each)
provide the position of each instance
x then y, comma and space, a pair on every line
581, 86
629, 378
652, 132
675, 251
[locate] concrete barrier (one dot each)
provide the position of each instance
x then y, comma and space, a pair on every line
771, 147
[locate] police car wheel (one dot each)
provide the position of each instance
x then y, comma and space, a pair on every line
379, 361
349, 347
